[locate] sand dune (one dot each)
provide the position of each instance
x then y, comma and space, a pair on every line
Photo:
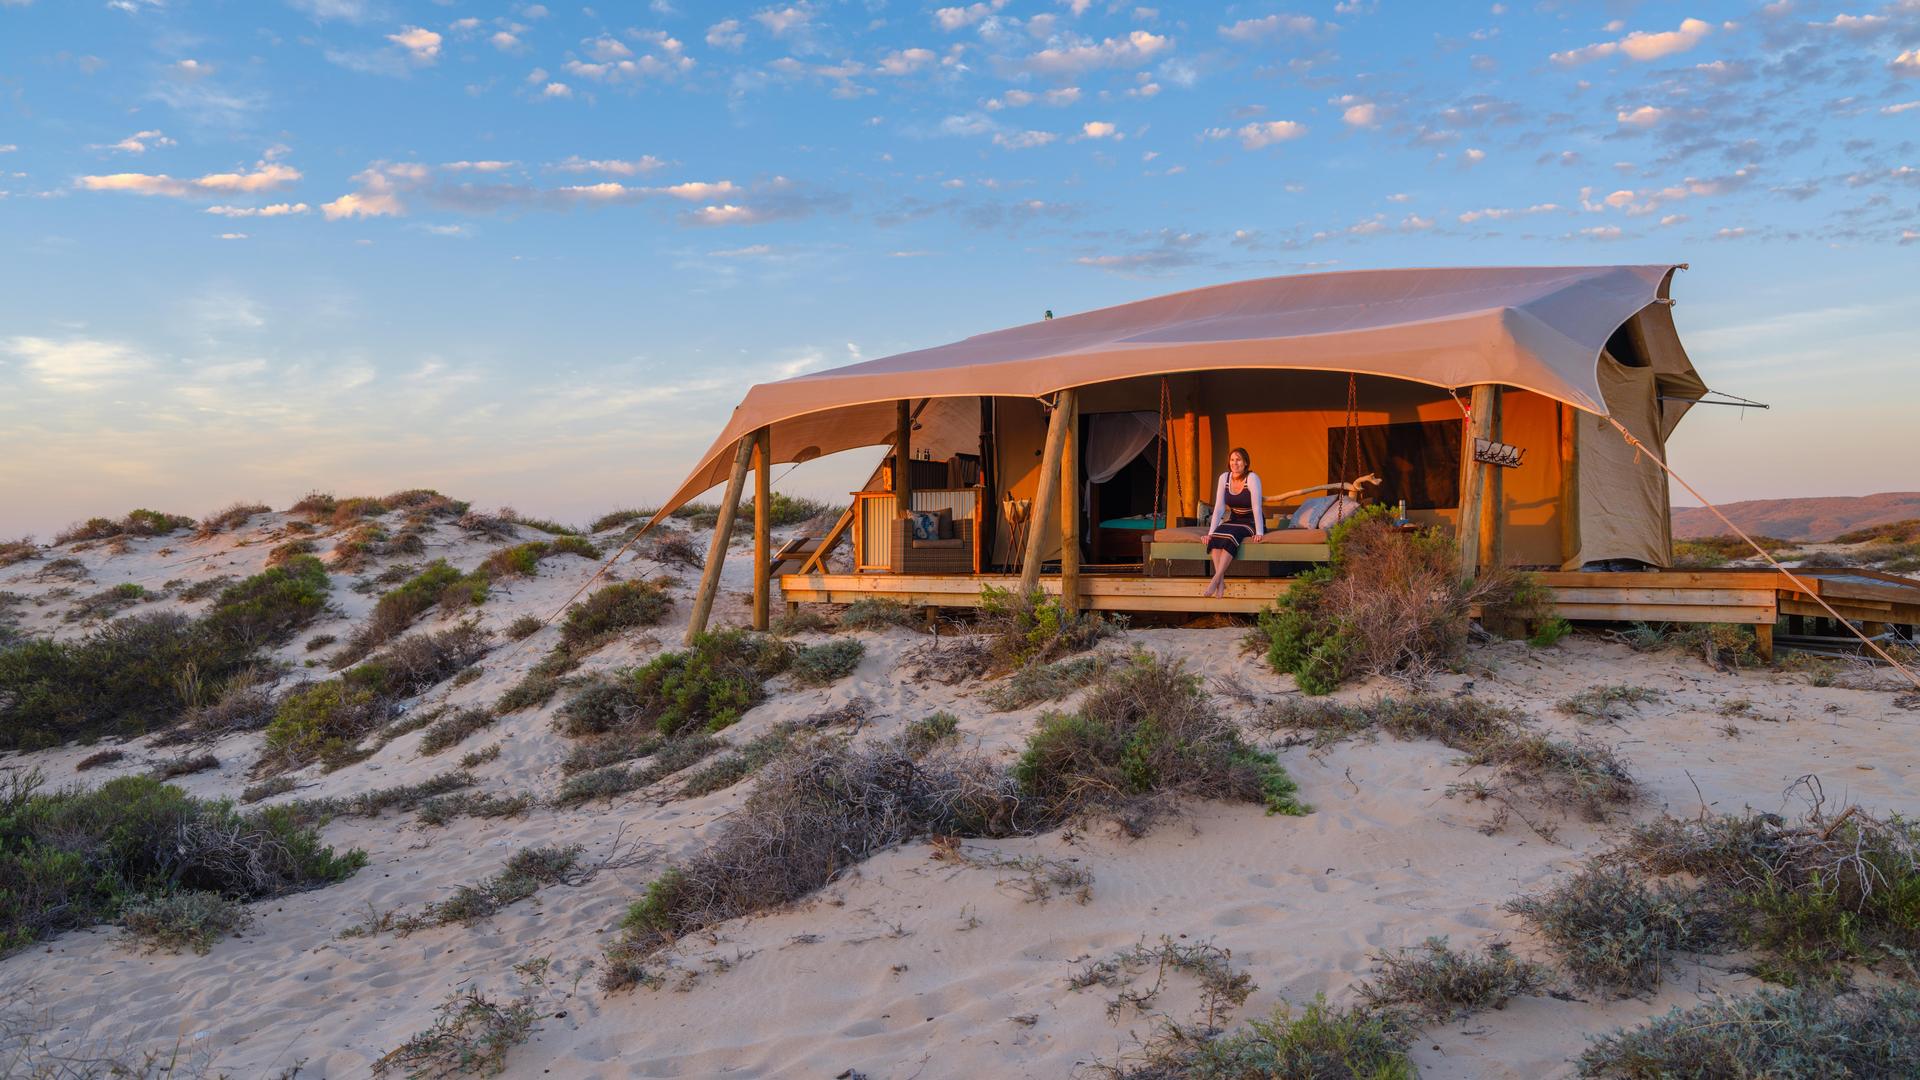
913, 966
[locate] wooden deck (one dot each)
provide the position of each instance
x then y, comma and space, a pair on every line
1752, 597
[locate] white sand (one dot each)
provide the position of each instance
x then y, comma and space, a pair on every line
912, 966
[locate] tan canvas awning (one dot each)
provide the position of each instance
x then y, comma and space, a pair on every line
1536, 328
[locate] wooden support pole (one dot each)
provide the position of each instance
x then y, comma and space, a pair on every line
1763, 641
762, 525
1198, 469
1569, 486
722, 532
903, 458
986, 515
1493, 506
1473, 480
1047, 494
1070, 505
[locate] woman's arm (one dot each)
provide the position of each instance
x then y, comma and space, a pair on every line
1259, 507
1219, 503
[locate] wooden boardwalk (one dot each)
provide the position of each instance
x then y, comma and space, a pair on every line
1757, 598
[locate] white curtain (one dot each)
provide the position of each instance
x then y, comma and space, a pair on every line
1116, 438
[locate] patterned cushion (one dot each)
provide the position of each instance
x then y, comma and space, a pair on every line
926, 524
1323, 512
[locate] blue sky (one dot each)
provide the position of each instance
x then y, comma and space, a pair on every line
532, 254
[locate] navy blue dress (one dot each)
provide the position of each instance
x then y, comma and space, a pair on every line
1236, 524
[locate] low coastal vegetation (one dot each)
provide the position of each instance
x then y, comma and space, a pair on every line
75, 857
141, 672
589, 626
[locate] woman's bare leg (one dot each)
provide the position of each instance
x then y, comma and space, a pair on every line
1218, 587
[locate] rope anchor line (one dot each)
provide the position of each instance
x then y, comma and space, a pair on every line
1640, 447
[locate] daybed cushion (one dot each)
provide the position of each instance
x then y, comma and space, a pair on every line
1198, 535
953, 543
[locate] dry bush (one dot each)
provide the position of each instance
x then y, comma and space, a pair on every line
471, 1035
523, 627
136, 523
878, 614
487, 525
18, 551
1810, 896
675, 549
228, 519
62, 569
1775, 1033
109, 603
452, 729
949, 661
618, 518
98, 758
811, 815
1146, 731
736, 765
1613, 931
1035, 683
282, 554
666, 757
173, 922
1434, 983
445, 808
1599, 703
245, 704
1389, 603
1529, 767
184, 765
802, 620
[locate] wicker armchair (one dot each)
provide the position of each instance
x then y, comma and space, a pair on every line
954, 556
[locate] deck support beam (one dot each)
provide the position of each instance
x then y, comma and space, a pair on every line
762, 525
722, 532
1493, 502
1473, 479
1569, 486
1047, 495
1070, 505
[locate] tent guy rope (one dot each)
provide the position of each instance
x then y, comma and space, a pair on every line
1641, 447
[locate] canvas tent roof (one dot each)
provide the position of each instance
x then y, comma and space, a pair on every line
1536, 328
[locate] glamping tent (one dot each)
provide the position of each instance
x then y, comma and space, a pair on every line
1321, 377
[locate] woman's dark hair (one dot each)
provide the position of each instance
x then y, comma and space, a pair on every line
1244, 456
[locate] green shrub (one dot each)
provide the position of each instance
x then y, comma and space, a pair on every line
738, 764
617, 518
711, 683
1322, 1043
823, 665
800, 620
1774, 1033
523, 627
172, 922
928, 732
1035, 628
75, 857
136, 523
322, 722
1045, 682
520, 560
282, 554
623, 605
270, 607
1147, 728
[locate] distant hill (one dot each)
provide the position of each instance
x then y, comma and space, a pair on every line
1812, 518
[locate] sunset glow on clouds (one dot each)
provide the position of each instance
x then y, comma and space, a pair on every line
534, 255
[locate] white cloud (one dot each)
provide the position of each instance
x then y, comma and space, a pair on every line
1023, 140
1082, 54
233, 236
959, 18
726, 34
1644, 116
504, 41
1493, 213
783, 21
479, 166
1098, 129
75, 364
1639, 45
1894, 110
1262, 134
1474, 155
193, 68
266, 176
379, 194
1247, 30
1365, 114
1601, 232
607, 47
274, 210
139, 142
666, 57
698, 191
1065, 95
905, 61
646, 163
422, 45
1907, 63
725, 214
556, 90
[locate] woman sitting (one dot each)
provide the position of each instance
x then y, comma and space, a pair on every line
1236, 517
